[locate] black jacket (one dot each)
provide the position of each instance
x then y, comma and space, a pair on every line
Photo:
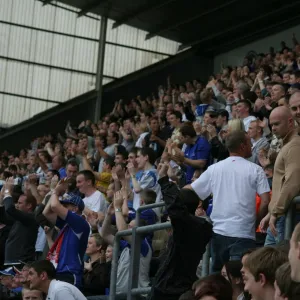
186, 247
20, 244
96, 281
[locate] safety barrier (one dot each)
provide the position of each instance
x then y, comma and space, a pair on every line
290, 218
136, 232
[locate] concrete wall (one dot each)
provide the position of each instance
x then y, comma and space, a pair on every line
235, 57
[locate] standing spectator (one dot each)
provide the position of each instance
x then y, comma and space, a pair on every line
72, 169
146, 178
156, 139
20, 244
174, 278
258, 140
94, 201
286, 173
125, 244
259, 270
234, 183
243, 112
41, 277
68, 249
222, 119
58, 164
294, 103
175, 122
112, 140
196, 154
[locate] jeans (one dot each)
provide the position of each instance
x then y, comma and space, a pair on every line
225, 248
272, 240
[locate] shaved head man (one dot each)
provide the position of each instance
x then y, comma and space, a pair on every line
294, 103
286, 174
281, 121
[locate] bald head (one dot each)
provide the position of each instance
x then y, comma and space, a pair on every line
282, 112
294, 104
281, 121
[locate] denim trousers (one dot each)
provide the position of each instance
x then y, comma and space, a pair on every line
272, 240
226, 248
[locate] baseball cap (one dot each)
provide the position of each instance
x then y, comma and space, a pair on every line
73, 199
8, 272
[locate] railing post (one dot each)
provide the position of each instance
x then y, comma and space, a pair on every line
114, 268
205, 261
288, 230
134, 268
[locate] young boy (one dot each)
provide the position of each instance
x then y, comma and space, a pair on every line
259, 270
285, 288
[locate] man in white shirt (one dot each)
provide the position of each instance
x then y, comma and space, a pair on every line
94, 200
243, 109
234, 183
41, 277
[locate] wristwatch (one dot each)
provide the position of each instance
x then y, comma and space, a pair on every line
118, 210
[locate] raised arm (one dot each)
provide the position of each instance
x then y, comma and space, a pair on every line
105, 230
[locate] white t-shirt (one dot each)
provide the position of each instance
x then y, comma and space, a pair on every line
96, 202
247, 122
60, 290
234, 183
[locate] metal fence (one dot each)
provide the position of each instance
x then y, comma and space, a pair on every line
290, 218
137, 232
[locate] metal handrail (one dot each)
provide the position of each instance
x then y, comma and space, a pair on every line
289, 218
136, 232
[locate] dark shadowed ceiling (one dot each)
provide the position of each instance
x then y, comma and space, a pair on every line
214, 26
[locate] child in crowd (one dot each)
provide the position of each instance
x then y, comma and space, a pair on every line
259, 270
285, 288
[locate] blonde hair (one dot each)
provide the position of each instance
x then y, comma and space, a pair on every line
236, 125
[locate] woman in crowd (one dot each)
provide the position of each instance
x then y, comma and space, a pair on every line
96, 272
232, 272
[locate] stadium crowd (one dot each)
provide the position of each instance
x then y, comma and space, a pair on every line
224, 157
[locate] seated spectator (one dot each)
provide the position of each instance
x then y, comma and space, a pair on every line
294, 256
173, 279
28, 294
259, 270
42, 277
20, 244
285, 288
96, 273
213, 287
232, 272
68, 249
